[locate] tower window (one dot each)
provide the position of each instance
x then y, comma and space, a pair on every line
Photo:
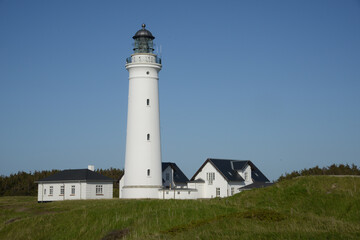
148, 137
147, 72
148, 102
148, 172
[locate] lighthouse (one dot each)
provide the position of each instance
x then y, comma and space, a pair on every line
143, 174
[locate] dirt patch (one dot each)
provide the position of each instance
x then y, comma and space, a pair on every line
21, 209
116, 234
12, 220
264, 215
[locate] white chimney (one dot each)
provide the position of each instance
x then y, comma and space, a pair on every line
91, 167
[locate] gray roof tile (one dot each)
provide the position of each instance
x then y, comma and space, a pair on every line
76, 175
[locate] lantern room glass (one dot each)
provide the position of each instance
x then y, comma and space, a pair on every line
143, 45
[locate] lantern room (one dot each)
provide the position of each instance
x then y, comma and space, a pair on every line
143, 41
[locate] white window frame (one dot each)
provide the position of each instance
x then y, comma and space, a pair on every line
210, 176
51, 190
232, 191
217, 192
99, 189
62, 190
72, 189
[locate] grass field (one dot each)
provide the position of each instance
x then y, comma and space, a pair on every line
316, 207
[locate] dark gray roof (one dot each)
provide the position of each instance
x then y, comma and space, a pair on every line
199, 180
143, 33
179, 176
76, 175
228, 169
256, 185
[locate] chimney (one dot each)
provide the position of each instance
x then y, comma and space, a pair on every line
91, 167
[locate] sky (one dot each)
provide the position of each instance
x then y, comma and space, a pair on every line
274, 82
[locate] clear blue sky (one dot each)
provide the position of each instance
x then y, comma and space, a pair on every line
276, 82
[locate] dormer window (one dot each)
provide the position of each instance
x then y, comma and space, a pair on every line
246, 176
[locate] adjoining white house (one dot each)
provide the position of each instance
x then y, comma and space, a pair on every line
215, 178
224, 177
75, 184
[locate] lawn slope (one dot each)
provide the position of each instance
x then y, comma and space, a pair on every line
314, 207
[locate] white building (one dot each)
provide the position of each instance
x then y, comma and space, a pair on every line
224, 177
142, 177
215, 178
75, 184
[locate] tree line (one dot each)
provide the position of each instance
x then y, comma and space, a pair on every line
333, 169
23, 183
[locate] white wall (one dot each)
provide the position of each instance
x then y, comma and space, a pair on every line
178, 193
236, 186
209, 190
107, 190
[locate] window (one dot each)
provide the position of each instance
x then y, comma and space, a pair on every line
44, 191
167, 176
62, 190
51, 191
232, 191
217, 192
148, 172
210, 177
148, 102
167, 192
73, 190
148, 137
178, 192
246, 176
99, 189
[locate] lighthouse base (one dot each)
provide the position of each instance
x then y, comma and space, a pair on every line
140, 192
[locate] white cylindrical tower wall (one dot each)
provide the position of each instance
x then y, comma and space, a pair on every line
142, 177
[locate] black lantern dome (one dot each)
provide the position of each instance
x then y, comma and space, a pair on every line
143, 33
143, 41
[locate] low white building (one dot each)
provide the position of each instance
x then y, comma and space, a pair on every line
75, 184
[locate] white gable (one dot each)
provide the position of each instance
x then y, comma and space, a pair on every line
245, 173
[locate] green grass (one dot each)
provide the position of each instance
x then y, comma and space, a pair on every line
316, 207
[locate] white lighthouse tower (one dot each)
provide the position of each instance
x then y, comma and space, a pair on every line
143, 176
